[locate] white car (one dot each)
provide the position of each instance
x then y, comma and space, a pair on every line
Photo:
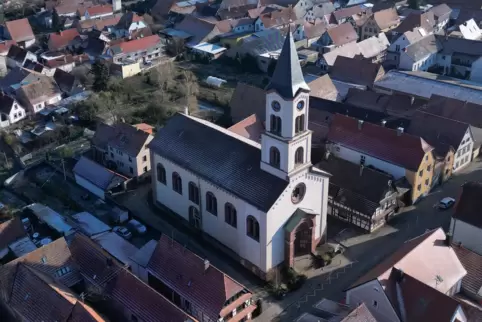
446, 203
122, 231
137, 226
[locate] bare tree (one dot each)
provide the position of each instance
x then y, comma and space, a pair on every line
190, 89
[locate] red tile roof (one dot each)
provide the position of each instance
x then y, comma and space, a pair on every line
185, 272
142, 301
404, 150
251, 128
472, 262
342, 34
20, 30
59, 40
99, 10
138, 44
360, 314
11, 231
60, 61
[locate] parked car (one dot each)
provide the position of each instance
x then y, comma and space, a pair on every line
446, 203
123, 232
136, 226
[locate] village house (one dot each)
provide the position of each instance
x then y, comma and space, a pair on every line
345, 14
374, 145
424, 20
123, 148
420, 55
441, 15
472, 282
321, 11
17, 56
65, 62
402, 41
67, 82
183, 277
278, 172
451, 140
10, 111
467, 30
137, 50
337, 312
94, 12
466, 225
337, 36
461, 111
99, 24
356, 71
392, 289
275, 19
380, 21
37, 95
196, 30
20, 32
359, 195
129, 22
309, 32
12, 235
67, 39
461, 57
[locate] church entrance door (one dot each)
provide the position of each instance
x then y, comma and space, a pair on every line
303, 239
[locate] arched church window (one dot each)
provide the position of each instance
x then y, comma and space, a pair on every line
275, 124
211, 203
300, 123
252, 228
274, 157
161, 173
230, 215
177, 183
299, 156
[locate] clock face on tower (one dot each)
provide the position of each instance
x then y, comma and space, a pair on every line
300, 105
276, 106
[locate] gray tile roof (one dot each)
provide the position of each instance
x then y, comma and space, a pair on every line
423, 48
96, 174
288, 78
220, 157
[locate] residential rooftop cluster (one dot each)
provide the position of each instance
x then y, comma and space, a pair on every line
339, 182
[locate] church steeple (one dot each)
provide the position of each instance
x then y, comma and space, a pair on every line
286, 142
287, 78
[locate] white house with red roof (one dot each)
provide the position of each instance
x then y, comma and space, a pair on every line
141, 49
94, 12
20, 32
264, 201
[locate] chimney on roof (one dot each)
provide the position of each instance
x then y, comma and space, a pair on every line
384, 123
206, 265
186, 110
360, 124
400, 131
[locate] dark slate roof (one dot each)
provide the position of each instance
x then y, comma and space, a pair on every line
362, 189
97, 174
288, 78
220, 157
6, 103
469, 204
17, 53
121, 136
65, 81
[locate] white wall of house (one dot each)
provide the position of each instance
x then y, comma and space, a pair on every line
459, 315
258, 25
37, 107
215, 226
132, 166
407, 63
470, 236
89, 186
17, 113
463, 155
355, 156
470, 30
476, 71
374, 297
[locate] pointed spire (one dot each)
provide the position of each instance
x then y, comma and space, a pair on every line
288, 78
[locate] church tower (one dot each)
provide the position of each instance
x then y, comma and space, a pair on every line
286, 142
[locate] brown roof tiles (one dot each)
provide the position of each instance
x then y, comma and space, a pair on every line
469, 204
323, 87
12, 229
356, 70
342, 34
387, 18
360, 314
247, 100
425, 20
185, 272
20, 30
403, 149
60, 40
138, 44
472, 262
250, 128
347, 12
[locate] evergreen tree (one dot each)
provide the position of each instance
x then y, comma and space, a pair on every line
414, 4
56, 25
100, 70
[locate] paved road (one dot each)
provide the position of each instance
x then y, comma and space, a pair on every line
372, 249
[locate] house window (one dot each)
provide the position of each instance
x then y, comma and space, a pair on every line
429, 168
419, 187
275, 124
144, 158
131, 170
130, 159
177, 183
274, 157
300, 123
427, 182
397, 47
211, 203
362, 160
298, 193
194, 217
420, 173
375, 303
62, 271
193, 193
145, 169
230, 215
161, 173
448, 158
252, 228
299, 156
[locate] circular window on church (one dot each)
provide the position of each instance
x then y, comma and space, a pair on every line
300, 105
276, 106
298, 193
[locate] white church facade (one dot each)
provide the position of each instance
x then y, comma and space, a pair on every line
265, 202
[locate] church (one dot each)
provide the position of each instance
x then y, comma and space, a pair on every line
264, 201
